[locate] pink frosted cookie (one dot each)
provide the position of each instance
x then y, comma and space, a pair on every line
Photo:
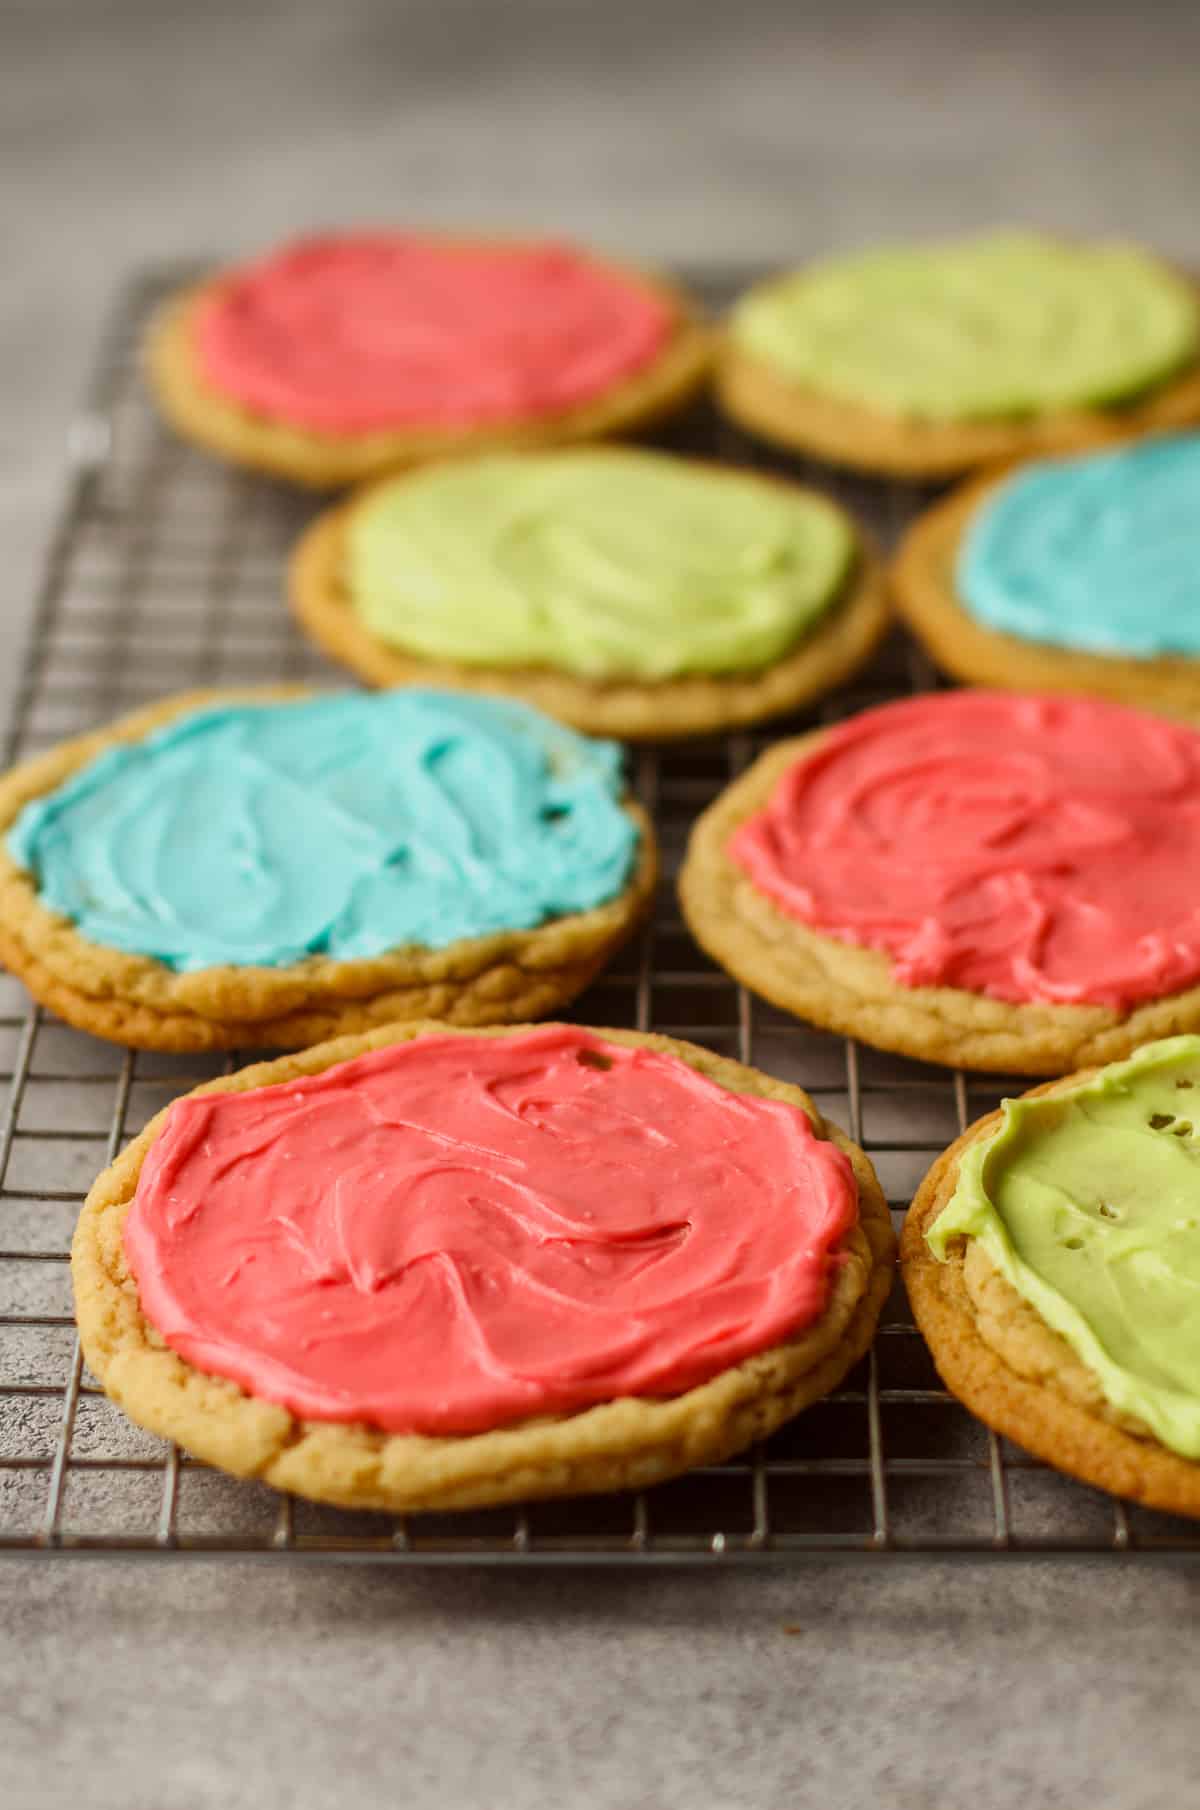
1001, 880
426, 1268
340, 357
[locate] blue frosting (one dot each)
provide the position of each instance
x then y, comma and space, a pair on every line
343, 825
1100, 553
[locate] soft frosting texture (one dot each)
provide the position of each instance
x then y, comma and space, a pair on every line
985, 328
1030, 848
340, 826
1088, 1201
1100, 553
451, 1234
605, 564
365, 332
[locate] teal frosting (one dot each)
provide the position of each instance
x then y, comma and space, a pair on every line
343, 825
1099, 553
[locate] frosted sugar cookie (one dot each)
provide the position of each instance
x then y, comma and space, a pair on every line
536, 1267
1052, 1256
927, 360
628, 593
336, 358
992, 879
247, 869
1074, 574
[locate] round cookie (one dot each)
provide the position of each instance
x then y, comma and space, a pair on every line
679, 596
982, 879
926, 361
1050, 1256
267, 867
663, 1369
1075, 574
330, 361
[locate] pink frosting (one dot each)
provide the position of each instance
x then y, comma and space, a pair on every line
359, 333
454, 1233
1029, 848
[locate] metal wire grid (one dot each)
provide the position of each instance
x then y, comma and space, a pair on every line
164, 573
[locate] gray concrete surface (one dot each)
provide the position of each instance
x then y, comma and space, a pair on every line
678, 130
207, 1686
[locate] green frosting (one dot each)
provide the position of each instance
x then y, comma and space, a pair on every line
1088, 1201
610, 565
978, 329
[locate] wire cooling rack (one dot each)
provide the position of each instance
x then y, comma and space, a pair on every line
165, 572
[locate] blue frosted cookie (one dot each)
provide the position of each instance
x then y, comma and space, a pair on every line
1079, 574
257, 868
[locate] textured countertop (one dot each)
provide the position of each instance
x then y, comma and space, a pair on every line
674, 131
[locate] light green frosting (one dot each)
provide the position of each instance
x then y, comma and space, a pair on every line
978, 329
1088, 1201
608, 565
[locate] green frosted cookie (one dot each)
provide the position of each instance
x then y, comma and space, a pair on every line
983, 329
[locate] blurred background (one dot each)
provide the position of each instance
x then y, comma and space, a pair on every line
679, 129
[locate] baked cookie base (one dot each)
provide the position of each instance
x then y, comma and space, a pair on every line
850, 990
624, 1444
837, 644
846, 433
503, 978
998, 1356
323, 461
925, 592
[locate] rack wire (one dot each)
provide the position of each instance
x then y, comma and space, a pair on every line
165, 572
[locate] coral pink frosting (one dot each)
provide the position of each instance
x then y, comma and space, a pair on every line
1030, 848
369, 331
454, 1233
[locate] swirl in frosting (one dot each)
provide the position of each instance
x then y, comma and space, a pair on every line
607, 564
1030, 848
342, 826
1099, 553
454, 1233
358, 333
978, 329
